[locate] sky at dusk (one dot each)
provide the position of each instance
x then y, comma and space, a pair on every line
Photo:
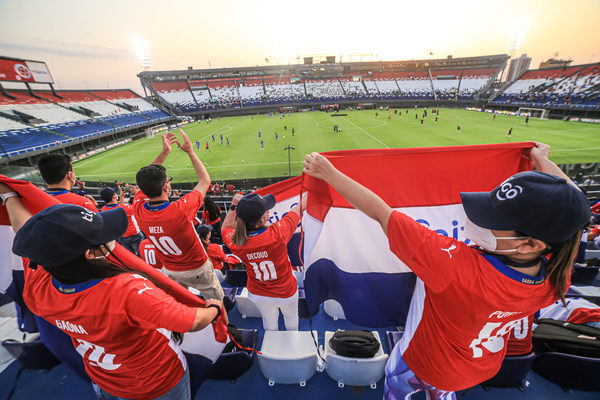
89, 43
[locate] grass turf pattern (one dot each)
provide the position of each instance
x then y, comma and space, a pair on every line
572, 142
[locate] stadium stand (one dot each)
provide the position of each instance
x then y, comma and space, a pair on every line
415, 85
30, 122
252, 92
176, 93
573, 87
324, 89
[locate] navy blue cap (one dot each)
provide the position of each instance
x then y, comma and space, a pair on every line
203, 230
107, 194
63, 232
537, 204
252, 206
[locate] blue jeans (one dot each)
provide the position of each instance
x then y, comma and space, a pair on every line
181, 391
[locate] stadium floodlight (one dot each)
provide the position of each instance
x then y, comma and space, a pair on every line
141, 48
517, 32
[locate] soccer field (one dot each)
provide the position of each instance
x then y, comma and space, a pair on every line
572, 142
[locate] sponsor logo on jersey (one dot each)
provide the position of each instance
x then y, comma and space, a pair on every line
503, 314
449, 249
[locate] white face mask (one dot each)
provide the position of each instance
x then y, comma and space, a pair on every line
485, 239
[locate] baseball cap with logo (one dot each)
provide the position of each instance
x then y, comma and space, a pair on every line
107, 194
63, 232
535, 203
252, 206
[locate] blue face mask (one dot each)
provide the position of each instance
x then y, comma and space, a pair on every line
485, 238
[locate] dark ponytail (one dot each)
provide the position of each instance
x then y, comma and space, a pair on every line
561, 263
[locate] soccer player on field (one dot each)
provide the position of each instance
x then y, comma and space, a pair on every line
263, 249
57, 172
169, 225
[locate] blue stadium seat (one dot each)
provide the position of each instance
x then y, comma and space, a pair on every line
582, 275
512, 373
569, 371
231, 366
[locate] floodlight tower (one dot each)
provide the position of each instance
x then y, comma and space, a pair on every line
516, 35
141, 48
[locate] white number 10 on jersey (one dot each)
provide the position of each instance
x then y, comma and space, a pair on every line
166, 245
264, 271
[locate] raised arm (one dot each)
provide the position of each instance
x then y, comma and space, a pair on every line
356, 194
229, 221
540, 161
201, 172
167, 141
17, 212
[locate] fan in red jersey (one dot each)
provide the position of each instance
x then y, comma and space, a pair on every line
132, 237
120, 322
57, 172
147, 253
169, 225
263, 249
467, 300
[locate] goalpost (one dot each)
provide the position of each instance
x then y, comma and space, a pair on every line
540, 113
153, 130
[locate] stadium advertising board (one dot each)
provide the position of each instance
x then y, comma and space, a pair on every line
24, 71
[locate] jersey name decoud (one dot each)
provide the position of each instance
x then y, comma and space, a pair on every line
156, 229
257, 255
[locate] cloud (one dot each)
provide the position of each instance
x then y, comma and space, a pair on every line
69, 50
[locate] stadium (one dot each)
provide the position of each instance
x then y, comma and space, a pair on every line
433, 125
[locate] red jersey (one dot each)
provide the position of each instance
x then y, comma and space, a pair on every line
265, 256
67, 197
217, 255
207, 219
132, 226
169, 227
519, 340
121, 326
455, 350
148, 253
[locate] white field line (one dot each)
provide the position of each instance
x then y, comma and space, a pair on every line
372, 137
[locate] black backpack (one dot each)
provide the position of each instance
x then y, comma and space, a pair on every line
356, 344
566, 337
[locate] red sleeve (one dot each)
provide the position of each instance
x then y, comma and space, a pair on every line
90, 206
287, 225
434, 258
216, 252
190, 203
226, 236
151, 308
139, 196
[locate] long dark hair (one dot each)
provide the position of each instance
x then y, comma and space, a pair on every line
82, 269
211, 207
241, 230
561, 263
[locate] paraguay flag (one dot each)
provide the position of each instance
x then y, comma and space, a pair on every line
347, 255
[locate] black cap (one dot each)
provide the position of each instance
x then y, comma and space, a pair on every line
252, 206
63, 232
203, 230
537, 204
107, 194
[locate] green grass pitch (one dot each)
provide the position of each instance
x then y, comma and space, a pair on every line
572, 142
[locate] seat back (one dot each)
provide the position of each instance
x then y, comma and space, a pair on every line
569, 371
236, 277
230, 366
512, 373
583, 275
